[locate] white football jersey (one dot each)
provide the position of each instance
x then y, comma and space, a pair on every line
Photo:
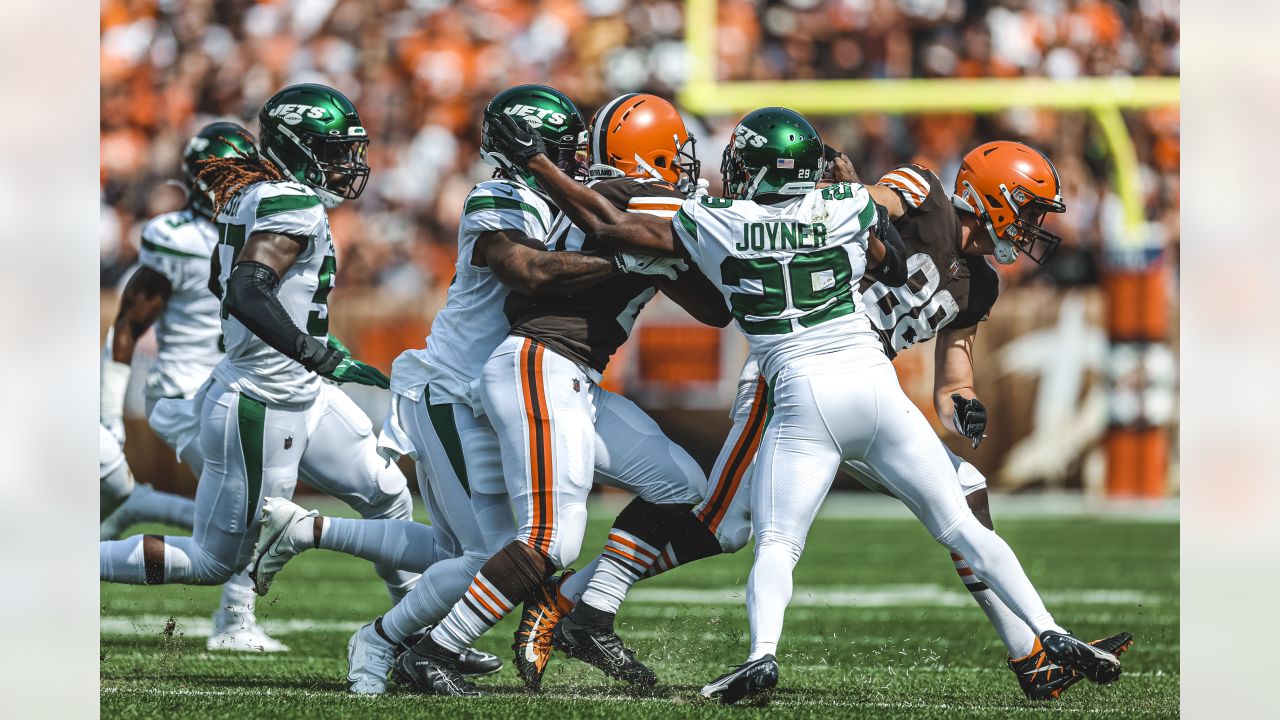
472, 323
788, 272
285, 208
178, 245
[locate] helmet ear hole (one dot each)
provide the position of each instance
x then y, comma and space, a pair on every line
660, 161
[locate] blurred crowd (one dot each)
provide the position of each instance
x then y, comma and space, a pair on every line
421, 70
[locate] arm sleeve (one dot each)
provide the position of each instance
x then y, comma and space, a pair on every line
159, 254
892, 270
251, 298
911, 182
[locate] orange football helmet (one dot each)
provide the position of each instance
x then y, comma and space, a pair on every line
1010, 187
639, 135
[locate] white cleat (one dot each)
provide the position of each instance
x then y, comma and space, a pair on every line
286, 531
369, 660
241, 633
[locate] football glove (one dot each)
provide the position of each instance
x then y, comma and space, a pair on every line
970, 418
646, 265
350, 370
515, 140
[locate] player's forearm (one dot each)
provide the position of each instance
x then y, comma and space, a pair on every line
565, 273
252, 300
946, 407
598, 218
695, 293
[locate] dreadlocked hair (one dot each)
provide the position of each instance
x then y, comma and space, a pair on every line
226, 176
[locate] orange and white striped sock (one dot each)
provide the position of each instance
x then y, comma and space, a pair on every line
1018, 639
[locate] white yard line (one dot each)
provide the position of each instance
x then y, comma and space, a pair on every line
831, 596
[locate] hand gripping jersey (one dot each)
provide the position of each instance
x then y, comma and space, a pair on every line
177, 245
590, 326
943, 287
284, 208
789, 272
472, 323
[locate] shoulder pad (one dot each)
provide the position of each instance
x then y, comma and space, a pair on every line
176, 234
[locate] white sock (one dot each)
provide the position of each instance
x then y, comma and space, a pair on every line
431, 599
1016, 636
993, 562
122, 561
768, 592
576, 584
238, 600
403, 545
147, 505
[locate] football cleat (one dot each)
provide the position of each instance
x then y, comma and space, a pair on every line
1071, 653
240, 632
602, 649
748, 679
472, 663
287, 529
541, 612
430, 669
1044, 680
369, 659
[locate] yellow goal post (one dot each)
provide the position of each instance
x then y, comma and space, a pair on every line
1102, 97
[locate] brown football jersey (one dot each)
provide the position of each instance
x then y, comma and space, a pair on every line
944, 288
591, 325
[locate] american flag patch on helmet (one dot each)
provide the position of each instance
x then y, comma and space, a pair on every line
788, 163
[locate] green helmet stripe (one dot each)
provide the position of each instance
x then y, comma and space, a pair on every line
285, 203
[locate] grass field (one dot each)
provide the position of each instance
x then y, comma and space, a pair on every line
879, 627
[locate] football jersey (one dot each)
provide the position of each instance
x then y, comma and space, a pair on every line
285, 208
178, 245
471, 324
589, 327
943, 287
789, 273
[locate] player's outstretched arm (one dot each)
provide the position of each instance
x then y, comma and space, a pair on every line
251, 299
953, 395
695, 293
526, 266
590, 211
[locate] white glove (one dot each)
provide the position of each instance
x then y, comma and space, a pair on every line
647, 265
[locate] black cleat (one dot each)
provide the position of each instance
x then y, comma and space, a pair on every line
748, 679
429, 669
1092, 661
603, 649
540, 615
472, 663
1042, 679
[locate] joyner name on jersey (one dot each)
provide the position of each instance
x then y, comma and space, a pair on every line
782, 236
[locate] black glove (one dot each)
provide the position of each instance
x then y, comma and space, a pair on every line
515, 140
970, 418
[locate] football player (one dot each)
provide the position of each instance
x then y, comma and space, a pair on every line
788, 259
558, 429
1002, 194
170, 290
266, 414
436, 417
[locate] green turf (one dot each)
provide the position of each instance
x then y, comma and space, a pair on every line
934, 656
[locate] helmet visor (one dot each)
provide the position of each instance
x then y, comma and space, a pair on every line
344, 163
1026, 231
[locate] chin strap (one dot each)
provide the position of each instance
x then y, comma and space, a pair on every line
1006, 252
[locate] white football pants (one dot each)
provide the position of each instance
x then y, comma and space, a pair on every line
848, 406
250, 451
559, 431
